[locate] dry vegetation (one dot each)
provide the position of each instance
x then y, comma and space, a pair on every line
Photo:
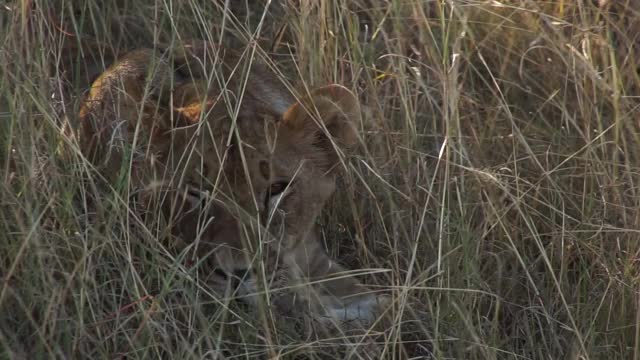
495, 194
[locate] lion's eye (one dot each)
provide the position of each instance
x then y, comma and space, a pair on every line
277, 188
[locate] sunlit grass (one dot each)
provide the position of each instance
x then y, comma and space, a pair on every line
495, 186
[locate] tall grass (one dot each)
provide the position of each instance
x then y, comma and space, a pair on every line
497, 182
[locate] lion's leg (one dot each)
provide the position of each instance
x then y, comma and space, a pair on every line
329, 286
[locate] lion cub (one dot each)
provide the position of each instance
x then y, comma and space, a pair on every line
236, 164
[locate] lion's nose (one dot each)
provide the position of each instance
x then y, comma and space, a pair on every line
241, 274
238, 275
221, 273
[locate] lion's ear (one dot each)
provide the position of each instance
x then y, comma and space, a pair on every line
331, 110
188, 106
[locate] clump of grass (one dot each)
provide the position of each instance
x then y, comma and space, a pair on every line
496, 184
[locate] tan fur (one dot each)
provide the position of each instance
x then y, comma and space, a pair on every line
212, 177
